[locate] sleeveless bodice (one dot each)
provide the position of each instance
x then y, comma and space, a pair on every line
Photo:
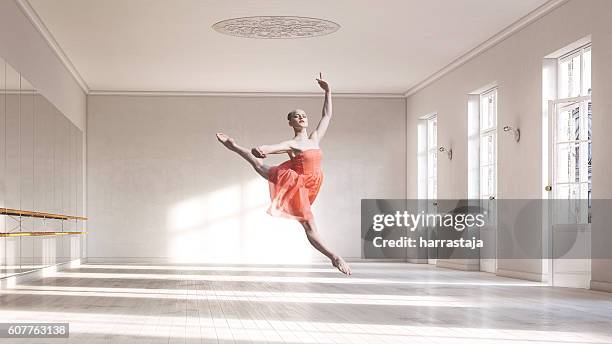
308, 161
294, 185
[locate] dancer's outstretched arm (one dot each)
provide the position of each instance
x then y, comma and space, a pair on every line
318, 134
278, 148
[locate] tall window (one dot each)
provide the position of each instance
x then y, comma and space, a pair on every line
427, 157
432, 157
572, 127
488, 144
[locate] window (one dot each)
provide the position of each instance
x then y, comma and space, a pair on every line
572, 120
488, 144
427, 157
575, 73
432, 157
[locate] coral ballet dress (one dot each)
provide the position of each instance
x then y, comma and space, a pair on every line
294, 185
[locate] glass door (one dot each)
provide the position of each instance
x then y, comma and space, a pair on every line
570, 230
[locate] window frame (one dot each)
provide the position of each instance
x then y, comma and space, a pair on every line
483, 133
432, 150
580, 101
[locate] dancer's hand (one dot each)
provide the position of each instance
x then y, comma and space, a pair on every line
258, 152
324, 85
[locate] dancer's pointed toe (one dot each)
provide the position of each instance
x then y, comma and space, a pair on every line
342, 266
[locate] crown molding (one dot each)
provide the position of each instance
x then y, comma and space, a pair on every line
489, 43
31, 14
242, 94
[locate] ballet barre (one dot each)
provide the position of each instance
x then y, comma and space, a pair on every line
42, 215
29, 213
20, 234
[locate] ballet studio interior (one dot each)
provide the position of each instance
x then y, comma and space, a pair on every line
285, 171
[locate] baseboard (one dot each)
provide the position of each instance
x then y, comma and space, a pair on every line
10, 281
601, 286
417, 260
171, 261
462, 265
524, 275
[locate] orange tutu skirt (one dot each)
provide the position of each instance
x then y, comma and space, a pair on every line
294, 185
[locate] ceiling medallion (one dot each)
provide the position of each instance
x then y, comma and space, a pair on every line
276, 27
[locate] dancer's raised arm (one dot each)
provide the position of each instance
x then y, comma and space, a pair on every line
318, 133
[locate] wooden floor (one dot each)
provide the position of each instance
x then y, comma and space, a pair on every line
380, 303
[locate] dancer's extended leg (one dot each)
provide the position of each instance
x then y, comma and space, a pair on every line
257, 163
313, 236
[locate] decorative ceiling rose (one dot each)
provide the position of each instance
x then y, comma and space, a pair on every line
276, 27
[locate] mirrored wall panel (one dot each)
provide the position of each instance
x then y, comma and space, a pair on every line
41, 180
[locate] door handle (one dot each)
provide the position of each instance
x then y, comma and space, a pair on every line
548, 188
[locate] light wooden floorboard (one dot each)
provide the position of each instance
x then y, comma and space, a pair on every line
380, 303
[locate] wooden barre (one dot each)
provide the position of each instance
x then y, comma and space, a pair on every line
18, 234
28, 213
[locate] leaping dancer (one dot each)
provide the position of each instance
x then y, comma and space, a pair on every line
295, 183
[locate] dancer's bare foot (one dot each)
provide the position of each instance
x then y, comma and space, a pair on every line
341, 265
226, 141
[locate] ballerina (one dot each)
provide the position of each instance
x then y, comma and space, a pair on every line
295, 184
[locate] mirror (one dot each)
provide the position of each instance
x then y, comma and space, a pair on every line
41, 169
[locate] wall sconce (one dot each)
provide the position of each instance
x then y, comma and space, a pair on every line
517, 132
449, 152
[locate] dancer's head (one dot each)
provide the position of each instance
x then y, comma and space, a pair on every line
297, 119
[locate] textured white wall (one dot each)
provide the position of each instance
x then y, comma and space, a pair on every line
161, 187
515, 65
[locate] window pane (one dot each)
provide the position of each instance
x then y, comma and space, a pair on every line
431, 188
569, 77
487, 149
589, 151
492, 109
432, 133
576, 211
488, 110
432, 166
563, 80
432, 157
585, 158
487, 181
484, 112
568, 163
568, 191
568, 123
586, 82
589, 120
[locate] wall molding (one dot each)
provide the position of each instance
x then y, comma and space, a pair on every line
240, 94
31, 14
524, 275
459, 264
488, 44
601, 286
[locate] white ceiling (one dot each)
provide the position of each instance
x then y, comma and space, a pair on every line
384, 46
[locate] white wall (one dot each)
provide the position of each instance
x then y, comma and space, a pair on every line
515, 65
161, 187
